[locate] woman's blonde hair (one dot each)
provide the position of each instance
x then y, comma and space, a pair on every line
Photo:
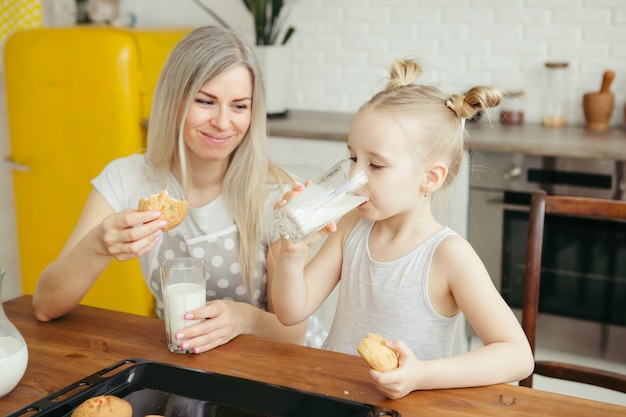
201, 56
441, 118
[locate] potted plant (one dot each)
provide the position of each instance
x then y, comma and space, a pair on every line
269, 20
270, 37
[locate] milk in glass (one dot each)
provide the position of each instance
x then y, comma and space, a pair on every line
308, 215
13, 350
179, 299
184, 289
339, 190
13, 362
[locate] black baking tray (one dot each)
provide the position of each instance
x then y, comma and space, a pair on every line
173, 391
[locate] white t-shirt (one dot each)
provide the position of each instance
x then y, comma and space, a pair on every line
207, 232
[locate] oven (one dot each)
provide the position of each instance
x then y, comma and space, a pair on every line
584, 263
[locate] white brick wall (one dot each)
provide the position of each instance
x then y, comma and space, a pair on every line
342, 47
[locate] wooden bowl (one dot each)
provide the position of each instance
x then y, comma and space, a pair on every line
598, 108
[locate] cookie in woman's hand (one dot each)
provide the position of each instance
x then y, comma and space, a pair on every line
172, 210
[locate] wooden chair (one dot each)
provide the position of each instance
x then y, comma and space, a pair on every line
541, 204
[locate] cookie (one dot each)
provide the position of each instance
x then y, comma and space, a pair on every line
172, 210
104, 406
377, 354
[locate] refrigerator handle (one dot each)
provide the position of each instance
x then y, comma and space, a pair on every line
16, 166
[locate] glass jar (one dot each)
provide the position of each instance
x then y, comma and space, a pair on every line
13, 351
555, 95
512, 109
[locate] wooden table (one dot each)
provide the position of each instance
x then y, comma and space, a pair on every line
89, 339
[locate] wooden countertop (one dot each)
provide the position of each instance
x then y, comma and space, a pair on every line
571, 141
90, 339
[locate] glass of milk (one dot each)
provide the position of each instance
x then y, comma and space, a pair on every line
336, 192
183, 283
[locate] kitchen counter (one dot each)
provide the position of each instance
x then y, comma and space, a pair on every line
88, 339
571, 141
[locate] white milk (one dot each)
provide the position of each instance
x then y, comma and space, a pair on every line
12, 367
178, 299
313, 210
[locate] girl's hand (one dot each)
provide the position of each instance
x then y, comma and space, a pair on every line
401, 381
223, 320
297, 189
130, 233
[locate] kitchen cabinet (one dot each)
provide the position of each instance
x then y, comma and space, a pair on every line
304, 157
76, 98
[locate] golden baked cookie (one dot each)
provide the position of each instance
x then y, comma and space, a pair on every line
377, 354
172, 210
104, 406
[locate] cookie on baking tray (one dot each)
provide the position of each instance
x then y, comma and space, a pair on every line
104, 406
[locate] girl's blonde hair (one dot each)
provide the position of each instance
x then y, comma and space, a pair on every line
201, 56
440, 118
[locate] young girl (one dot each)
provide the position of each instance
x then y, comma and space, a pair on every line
404, 275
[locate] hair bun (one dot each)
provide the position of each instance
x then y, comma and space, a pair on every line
403, 72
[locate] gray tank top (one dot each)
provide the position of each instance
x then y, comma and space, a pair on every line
389, 298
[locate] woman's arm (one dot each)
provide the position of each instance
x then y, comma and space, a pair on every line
99, 235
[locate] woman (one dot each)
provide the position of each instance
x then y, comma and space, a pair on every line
206, 144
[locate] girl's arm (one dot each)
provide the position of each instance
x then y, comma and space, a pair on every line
99, 235
299, 288
269, 325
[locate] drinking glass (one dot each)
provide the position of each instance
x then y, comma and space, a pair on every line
336, 192
184, 288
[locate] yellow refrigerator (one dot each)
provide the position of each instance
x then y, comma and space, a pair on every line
76, 99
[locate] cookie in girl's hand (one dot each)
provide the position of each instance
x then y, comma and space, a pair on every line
377, 354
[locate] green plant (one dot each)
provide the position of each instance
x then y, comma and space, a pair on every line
269, 18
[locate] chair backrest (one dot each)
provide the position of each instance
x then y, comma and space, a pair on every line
542, 205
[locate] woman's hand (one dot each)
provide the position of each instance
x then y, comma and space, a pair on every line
401, 381
222, 321
130, 233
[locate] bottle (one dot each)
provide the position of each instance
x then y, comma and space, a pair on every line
13, 351
555, 95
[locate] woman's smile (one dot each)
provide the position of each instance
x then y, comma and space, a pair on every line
217, 139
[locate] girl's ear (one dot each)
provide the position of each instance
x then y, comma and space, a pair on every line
435, 177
